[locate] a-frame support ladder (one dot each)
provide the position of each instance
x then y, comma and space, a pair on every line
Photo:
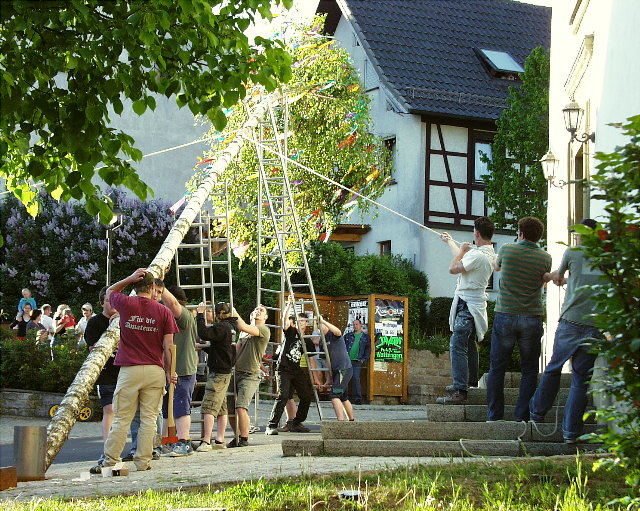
204, 276
280, 243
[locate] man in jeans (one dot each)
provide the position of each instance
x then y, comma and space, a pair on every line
468, 316
524, 268
144, 357
358, 344
575, 328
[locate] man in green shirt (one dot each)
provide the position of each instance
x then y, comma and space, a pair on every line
524, 268
358, 344
249, 352
575, 329
175, 300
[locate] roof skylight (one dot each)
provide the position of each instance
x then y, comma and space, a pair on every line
500, 61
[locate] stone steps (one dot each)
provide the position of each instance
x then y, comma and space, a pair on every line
512, 380
441, 431
478, 396
429, 448
477, 413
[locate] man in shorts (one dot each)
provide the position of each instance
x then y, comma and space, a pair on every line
249, 352
221, 355
106, 382
340, 368
175, 300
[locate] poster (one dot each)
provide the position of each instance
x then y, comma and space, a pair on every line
358, 309
389, 331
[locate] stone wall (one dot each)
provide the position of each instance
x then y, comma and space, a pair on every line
29, 403
428, 375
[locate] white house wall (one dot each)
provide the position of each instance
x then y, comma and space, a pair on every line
602, 74
424, 248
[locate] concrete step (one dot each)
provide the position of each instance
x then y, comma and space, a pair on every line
425, 430
429, 448
478, 413
512, 380
477, 396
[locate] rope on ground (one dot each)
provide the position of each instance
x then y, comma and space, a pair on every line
316, 173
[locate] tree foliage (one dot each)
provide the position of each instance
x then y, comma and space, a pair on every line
68, 67
515, 183
614, 248
61, 255
328, 131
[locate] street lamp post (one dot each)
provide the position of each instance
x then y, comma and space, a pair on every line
116, 222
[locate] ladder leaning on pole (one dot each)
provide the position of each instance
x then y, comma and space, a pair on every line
203, 276
280, 240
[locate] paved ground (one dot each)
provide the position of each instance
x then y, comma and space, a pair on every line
263, 459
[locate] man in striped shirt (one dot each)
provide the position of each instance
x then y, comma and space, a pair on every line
524, 268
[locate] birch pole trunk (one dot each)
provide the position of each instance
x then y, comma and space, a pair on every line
60, 426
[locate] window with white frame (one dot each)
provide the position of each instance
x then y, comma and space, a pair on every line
481, 167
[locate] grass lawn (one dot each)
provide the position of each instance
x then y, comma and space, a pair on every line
563, 485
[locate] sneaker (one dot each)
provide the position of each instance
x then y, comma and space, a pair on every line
458, 397
495, 420
166, 449
571, 441
155, 455
271, 431
299, 428
97, 469
204, 447
240, 443
218, 445
181, 449
286, 428
128, 457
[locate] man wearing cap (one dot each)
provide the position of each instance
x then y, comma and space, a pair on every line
575, 328
87, 314
144, 358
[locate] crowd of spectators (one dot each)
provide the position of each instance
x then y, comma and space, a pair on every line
50, 328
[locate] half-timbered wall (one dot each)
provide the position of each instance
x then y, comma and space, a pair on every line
417, 142
454, 190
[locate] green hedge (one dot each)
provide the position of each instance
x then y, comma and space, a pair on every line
26, 364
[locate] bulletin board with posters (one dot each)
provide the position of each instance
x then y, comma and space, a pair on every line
385, 319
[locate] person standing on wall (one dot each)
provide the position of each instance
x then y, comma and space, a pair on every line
575, 328
358, 344
468, 316
144, 357
524, 268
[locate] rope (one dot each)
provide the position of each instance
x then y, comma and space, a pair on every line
316, 173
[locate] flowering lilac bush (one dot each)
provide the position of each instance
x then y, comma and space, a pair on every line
61, 254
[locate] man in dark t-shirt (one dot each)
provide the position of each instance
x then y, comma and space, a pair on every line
106, 382
291, 377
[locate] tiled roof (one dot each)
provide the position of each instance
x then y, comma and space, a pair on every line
425, 49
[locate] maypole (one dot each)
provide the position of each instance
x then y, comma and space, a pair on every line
77, 393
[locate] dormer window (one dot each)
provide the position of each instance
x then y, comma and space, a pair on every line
499, 63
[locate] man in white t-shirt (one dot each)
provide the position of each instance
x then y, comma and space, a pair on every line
87, 314
468, 316
47, 321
